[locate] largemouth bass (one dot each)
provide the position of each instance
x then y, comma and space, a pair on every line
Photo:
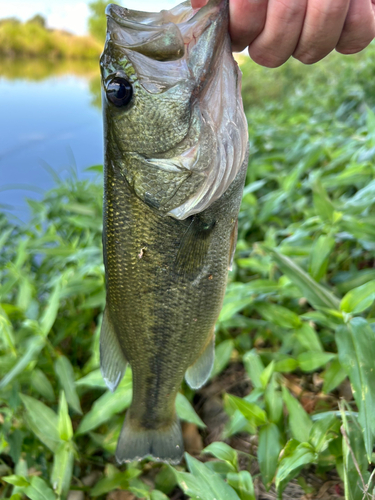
175, 163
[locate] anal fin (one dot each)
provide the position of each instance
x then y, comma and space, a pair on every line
198, 373
112, 360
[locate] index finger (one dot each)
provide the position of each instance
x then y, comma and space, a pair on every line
247, 20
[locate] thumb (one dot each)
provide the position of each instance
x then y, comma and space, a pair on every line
197, 4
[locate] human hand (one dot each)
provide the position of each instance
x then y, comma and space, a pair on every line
308, 30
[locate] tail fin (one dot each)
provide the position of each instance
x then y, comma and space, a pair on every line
137, 443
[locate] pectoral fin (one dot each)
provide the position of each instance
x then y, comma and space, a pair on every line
198, 373
112, 360
194, 246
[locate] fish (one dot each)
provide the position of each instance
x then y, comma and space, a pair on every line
176, 155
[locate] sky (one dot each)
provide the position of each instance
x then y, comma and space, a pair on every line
70, 15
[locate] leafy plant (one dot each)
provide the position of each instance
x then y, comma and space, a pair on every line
298, 315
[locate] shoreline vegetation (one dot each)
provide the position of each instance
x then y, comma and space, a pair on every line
32, 39
294, 341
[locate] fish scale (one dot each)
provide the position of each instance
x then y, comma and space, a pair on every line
166, 275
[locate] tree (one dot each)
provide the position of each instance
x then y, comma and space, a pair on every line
97, 19
38, 19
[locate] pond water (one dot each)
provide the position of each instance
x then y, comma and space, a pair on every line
50, 120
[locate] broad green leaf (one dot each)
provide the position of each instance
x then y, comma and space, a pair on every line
38, 490
286, 365
237, 423
24, 295
42, 421
274, 401
359, 299
254, 367
22, 253
356, 346
4, 237
95, 168
280, 316
222, 468
107, 484
203, 483
250, 411
33, 350
236, 299
269, 448
304, 454
316, 294
65, 374
319, 256
322, 203
93, 379
50, 313
311, 361
65, 424
299, 421
186, 412
16, 496
194, 487
165, 480
319, 434
223, 451
41, 384
267, 374
108, 441
353, 445
6, 331
107, 405
333, 376
223, 354
15, 480
158, 495
242, 483
140, 489
308, 338
62, 471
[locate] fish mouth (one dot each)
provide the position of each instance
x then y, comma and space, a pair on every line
168, 35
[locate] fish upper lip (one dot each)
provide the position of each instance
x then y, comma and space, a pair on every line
171, 30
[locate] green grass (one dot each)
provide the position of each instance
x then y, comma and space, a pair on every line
299, 312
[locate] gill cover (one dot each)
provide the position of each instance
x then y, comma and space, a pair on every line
182, 139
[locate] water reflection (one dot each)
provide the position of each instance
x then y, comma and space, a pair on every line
49, 115
39, 69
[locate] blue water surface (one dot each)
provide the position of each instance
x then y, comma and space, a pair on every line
49, 122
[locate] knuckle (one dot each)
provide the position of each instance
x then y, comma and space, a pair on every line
353, 47
266, 59
360, 26
292, 9
309, 58
331, 9
357, 42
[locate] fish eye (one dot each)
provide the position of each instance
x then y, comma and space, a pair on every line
119, 91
